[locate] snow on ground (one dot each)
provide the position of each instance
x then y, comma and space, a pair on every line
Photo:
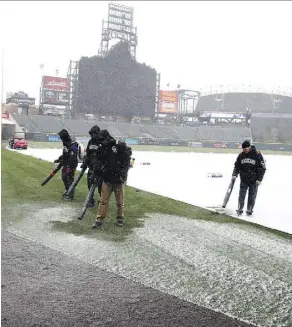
184, 177
231, 268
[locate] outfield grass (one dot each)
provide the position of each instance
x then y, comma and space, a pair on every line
160, 148
21, 178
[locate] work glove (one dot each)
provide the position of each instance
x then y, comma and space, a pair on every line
258, 182
68, 170
233, 178
57, 161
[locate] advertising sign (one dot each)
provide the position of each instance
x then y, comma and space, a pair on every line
55, 97
168, 102
53, 138
56, 83
130, 141
21, 100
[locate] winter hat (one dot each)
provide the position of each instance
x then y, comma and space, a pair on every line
245, 144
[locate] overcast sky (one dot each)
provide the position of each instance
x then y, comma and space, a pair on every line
195, 44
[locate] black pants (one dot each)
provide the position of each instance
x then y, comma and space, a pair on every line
89, 182
252, 194
68, 178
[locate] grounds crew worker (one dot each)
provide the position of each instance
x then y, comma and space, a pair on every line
90, 160
251, 167
115, 164
69, 159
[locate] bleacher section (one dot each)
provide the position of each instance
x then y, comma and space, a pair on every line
173, 132
154, 131
260, 102
48, 124
26, 123
77, 127
271, 128
131, 130
240, 133
210, 102
223, 134
284, 105
238, 102
111, 127
234, 102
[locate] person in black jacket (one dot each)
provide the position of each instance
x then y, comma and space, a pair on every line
69, 159
251, 167
115, 164
90, 160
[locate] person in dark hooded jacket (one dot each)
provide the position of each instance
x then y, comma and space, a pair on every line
69, 159
90, 160
251, 167
115, 164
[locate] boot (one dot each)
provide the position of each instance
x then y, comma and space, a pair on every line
120, 222
249, 211
98, 223
239, 212
67, 197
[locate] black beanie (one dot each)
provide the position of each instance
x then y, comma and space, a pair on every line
245, 144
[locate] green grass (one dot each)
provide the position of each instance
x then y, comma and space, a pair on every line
161, 148
21, 178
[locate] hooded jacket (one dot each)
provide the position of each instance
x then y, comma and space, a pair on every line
90, 160
69, 157
250, 166
115, 161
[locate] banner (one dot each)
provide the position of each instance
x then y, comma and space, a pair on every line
55, 97
168, 102
56, 83
53, 138
130, 141
21, 100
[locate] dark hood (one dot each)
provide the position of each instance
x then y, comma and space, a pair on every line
64, 136
94, 132
106, 139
